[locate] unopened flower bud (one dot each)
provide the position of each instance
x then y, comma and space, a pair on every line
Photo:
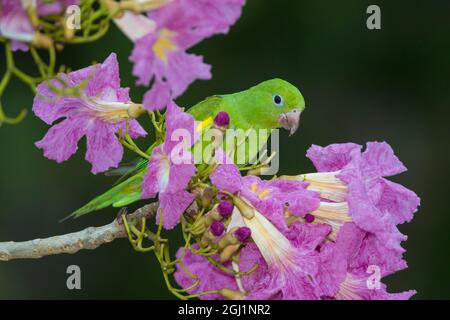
207, 196
225, 209
243, 234
228, 239
217, 228
192, 210
228, 252
212, 216
309, 218
235, 236
232, 294
245, 209
222, 120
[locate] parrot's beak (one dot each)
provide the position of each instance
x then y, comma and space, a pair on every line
290, 121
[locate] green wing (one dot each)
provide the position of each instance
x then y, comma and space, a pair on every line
128, 189
206, 108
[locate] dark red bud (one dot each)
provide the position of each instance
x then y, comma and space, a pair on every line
243, 234
309, 218
225, 209
222, 119
217, 228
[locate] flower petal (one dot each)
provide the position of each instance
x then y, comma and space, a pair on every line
333, 157
399, 201
61, 140
156, 171
143, 58
380, 159
180, 130
104, 150
227, 178
180, 175
173, 205
158, 96
105, 80
183, 69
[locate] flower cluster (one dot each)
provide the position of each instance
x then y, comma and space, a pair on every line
314, 236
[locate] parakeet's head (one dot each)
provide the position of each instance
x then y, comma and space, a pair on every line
280, 102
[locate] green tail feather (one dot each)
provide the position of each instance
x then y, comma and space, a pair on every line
123, 194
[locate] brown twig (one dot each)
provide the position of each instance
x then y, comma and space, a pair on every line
90, 238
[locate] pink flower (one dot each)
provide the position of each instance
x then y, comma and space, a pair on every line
160, 56
171, 167
98, 112
355, 188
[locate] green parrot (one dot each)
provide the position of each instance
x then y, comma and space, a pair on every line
269, 105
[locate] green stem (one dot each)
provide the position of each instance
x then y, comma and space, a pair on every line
52, 61
38, 61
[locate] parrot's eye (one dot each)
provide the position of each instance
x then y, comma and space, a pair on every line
278, 100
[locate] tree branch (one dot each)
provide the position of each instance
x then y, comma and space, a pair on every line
90, 238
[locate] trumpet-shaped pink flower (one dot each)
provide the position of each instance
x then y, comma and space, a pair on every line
374, 203
171, 167
160, 56
102, 108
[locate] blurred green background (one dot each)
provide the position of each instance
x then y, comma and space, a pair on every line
360, 85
